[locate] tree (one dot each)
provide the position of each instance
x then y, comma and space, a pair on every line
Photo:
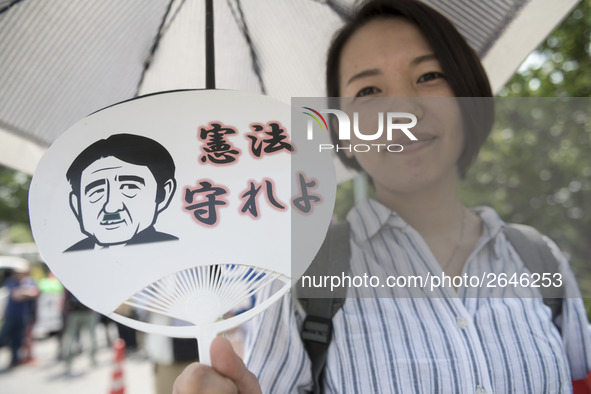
14, 188
564, 68
540, 172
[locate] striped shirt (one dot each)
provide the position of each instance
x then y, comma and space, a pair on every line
469, 342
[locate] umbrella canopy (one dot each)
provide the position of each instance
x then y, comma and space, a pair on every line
15, 263
61, 60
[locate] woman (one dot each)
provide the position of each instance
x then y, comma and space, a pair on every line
462, 344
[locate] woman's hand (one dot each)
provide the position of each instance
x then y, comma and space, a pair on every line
227, 374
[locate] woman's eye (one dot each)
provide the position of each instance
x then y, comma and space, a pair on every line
430, 76
368, 91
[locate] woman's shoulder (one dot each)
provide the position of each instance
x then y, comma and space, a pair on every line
521, 232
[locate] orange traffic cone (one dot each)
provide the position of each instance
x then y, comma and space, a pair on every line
117, 383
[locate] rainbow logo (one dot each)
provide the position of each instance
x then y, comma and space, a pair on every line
316, 119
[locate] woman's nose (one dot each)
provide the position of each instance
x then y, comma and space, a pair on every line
411, 105
401, 87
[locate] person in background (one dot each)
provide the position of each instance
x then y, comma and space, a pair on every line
19, 312
128, 334
77, 317
170, 356
50, 309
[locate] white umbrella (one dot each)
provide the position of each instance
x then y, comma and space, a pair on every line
14, 263
61, 60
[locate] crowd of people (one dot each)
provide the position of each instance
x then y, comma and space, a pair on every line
19, 311
38, 306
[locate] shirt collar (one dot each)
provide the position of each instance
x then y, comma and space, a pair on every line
368, 217
493, 225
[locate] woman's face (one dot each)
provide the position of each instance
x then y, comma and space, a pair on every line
391, 58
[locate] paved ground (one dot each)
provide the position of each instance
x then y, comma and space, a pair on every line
48, 376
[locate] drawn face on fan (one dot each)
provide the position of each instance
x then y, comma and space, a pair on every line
119, 186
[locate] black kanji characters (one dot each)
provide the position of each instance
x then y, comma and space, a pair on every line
249, 197
304, 201
204, 203
217, 149
270, 140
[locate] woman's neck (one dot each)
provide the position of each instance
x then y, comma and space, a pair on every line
448, 228
429, 211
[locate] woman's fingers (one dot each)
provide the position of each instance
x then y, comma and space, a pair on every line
202, 379
229, 364
227, 375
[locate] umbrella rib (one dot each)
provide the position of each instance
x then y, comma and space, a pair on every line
12, 3
173, 17
338, 9
154, 47
241, 22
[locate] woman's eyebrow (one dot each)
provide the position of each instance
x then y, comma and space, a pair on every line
421, 59
365, 73
376, 71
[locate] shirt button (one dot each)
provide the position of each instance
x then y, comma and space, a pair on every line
461, 322
480, 390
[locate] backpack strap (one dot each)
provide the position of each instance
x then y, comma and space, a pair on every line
320, 304
538, 258
333, 258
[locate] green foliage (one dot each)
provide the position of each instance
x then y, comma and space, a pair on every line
536, 167
565, 65
345, 197
14, 188
19, 233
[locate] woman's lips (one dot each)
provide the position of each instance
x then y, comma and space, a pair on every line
412, 146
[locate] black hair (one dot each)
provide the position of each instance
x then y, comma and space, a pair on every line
460, 64
130, 148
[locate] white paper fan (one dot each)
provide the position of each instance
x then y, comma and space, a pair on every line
193, 270
203, 296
